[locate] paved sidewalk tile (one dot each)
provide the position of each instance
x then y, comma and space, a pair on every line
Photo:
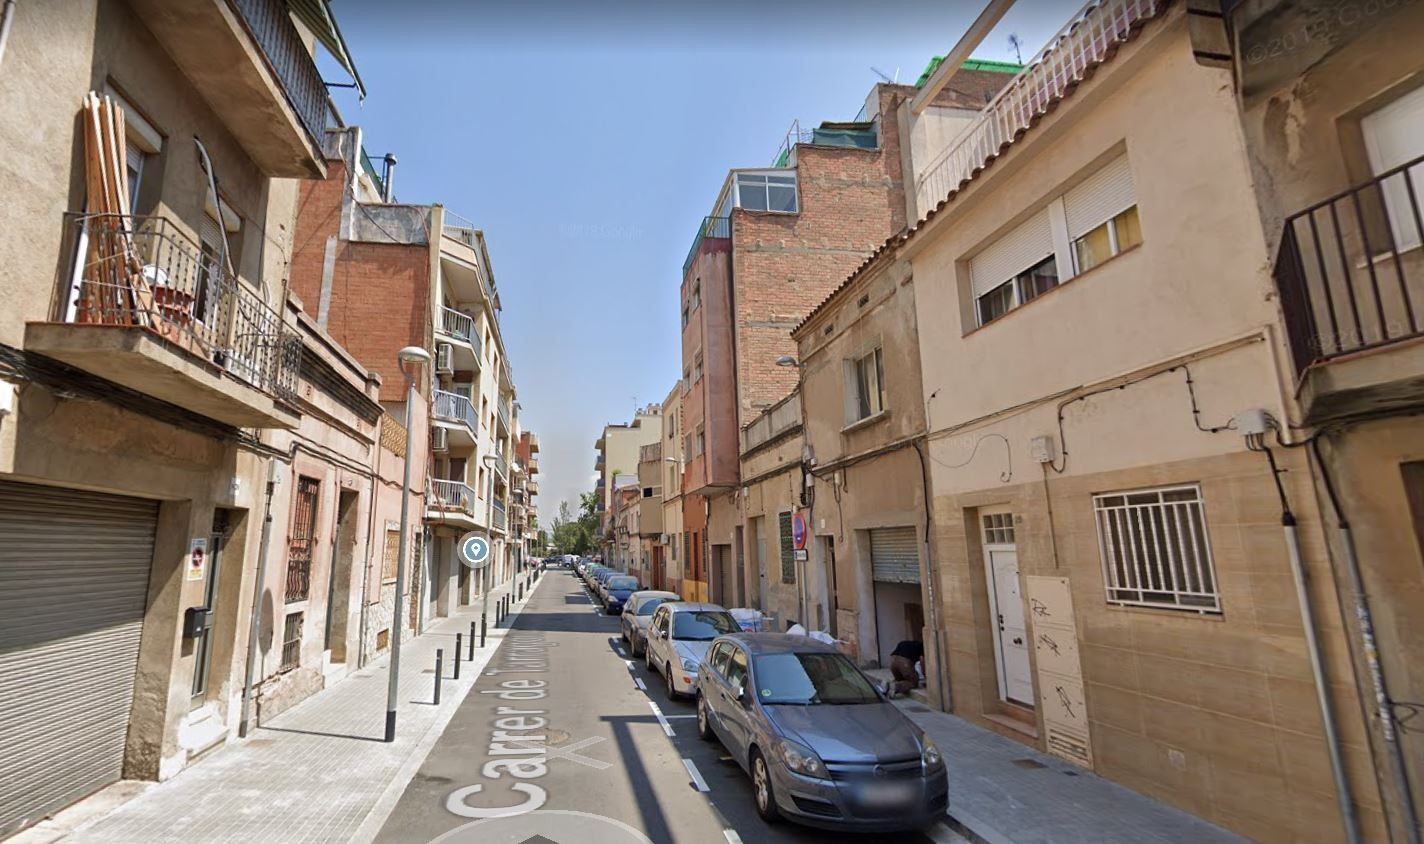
997, 798
316, 771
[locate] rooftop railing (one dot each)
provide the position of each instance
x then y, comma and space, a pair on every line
1350, 269
147, 272
711, 227
1088, 39
459, 228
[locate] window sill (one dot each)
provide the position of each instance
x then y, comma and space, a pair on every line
866, 422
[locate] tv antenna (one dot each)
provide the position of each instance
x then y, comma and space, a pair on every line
1017, 43
895, 80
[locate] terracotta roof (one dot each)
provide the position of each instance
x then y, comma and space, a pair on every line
907, 234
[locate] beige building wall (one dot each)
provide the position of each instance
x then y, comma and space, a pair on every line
1211, 712
868, 473
770, 492
673, 460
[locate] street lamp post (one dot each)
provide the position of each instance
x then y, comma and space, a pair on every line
412, 360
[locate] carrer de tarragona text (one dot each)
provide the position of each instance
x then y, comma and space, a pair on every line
516, 748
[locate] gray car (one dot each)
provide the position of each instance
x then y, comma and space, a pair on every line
637, 612
821, 743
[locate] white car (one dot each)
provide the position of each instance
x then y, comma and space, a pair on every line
638, 613
678, 637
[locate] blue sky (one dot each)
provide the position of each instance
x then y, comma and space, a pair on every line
588, 140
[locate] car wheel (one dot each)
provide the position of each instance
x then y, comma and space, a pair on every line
671, 689
648, 659
704, 724
635, 645
762, 789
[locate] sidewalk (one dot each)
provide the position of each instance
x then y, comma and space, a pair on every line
318, 772
1002, 792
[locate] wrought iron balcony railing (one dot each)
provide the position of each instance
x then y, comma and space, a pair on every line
270, 22
453, 407
1087, 40
1350, 269
148, 273
451, 495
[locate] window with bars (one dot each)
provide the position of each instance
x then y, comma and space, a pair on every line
392, 556
301, 540
292, 641
1155, 549
999, 528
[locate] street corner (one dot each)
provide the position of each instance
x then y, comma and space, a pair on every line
545, 827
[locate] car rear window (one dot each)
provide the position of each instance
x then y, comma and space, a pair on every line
622, 583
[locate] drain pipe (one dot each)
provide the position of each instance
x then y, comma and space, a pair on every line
1384, 708
1312, 644
255, 628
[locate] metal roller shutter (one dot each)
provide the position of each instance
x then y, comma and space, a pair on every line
1099, 198
894, 555
73, 587
1011, 254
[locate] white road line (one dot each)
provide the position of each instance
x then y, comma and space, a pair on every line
642, 687
670, 717
696, 775
621, 652
629, 663
662, 719
732, 836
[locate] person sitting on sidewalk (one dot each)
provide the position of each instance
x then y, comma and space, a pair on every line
902, 666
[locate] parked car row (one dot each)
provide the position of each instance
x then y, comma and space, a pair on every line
822, 743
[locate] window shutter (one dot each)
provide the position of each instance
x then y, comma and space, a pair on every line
210, 234
1016, 251
1102, 196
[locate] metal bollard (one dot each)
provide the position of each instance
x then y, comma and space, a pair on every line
482, 632
471, 657
439, 667
458, 650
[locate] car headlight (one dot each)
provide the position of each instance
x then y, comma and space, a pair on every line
802, 759
689, 666
929, 753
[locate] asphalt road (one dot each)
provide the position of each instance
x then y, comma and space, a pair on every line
575, 741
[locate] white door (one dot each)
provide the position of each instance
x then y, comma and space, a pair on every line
1010, 633
1392, 139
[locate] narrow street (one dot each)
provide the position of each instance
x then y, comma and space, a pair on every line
616, 761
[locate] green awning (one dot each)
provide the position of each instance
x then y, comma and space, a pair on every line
316, 16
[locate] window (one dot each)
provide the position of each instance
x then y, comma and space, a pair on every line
697, 294
1392, 139
867, 386
1096, 220
701, 440
737, 668
392, 556
1155, 550
292, 641
301, 540
684, 316
697, 368
999, 529
647, 492
766, 192
720, 654
136, 158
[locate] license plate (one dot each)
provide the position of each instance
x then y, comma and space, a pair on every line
881, 794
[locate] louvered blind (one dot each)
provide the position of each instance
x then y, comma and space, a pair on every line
1027, 244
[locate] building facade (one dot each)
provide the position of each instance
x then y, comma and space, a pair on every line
770, 495
618, 454
673, 459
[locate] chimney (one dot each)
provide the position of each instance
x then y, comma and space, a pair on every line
389, 177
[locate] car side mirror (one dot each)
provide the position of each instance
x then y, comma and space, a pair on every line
740, 695
883, 688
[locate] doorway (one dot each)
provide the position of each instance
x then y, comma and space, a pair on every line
741, 552
758, 584
338, 586
203, 646
1006, 607
828, 558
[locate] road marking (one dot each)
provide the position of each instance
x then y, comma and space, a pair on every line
629, 663
696, 775
732, 836
642, 687
670, 717
566, 751
622, 652
662, 719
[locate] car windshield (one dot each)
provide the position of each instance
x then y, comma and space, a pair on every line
810, 678
703, 625
622, 583
647, 605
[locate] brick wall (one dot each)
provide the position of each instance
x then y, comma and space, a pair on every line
380, 292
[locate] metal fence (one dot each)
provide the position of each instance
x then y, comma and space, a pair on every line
146, 272
270, 22
1087, 40
711, 227
452, 495
461, 325
1350, 272
498, 518
459, 228
453, 407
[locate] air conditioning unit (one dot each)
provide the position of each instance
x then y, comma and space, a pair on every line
444, 358
440, 439
663, 539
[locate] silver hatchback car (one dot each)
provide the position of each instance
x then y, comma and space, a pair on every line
822, 744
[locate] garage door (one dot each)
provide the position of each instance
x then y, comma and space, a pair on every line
894, 555
73, 583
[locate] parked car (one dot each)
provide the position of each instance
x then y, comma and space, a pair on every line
637, 612
616, 590
821, 742
600, 582
678, 637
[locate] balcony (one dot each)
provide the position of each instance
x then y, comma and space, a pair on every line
450, 502
533, 443
711, 227
1350, 272
247, 58
532, 486
458, 329
504, 414
501, 468
498, 519
1088, 40
455, 412
140, 304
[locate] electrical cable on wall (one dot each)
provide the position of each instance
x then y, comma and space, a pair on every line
1004, 476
